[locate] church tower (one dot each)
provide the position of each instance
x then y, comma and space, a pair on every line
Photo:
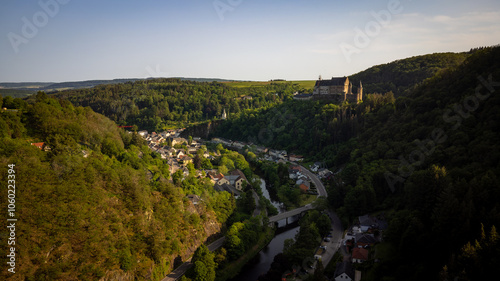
224, 115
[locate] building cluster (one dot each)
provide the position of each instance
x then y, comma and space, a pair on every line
301, 180
321, 170
164, 142
273, 155
358, 241
232, 183
178, 159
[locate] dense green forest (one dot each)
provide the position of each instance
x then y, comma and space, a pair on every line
401, 76
158, 103
429, 160
97, 203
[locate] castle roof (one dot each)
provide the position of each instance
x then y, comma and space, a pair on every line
335, 81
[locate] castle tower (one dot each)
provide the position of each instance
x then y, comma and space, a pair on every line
224, 115
360, 92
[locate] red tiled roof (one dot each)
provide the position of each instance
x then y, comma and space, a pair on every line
38, 144
304, 187
360, 254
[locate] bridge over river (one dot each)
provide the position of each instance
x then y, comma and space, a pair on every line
177, 273
291, 213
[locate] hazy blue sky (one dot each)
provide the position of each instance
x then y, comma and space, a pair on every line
70, 40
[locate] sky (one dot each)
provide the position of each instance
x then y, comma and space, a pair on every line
75, 40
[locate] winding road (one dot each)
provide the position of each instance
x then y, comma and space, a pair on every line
332, 246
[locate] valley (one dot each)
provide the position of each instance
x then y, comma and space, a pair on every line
129, 180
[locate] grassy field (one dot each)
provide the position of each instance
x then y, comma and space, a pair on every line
307, 199
306, 84
16, 93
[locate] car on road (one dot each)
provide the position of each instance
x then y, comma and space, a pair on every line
326, 239
329, 236
323, 247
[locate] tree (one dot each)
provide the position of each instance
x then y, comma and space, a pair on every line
204, 265
177, 177
319, 272
197, 161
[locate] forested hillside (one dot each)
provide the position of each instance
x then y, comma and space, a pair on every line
434, 160
95, 201
402, 75
158, 103
429, 160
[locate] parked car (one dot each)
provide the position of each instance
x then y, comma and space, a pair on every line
327, 240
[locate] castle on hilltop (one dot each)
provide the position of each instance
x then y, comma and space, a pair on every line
338, 89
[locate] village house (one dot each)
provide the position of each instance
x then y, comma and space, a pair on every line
39, 145
192, 149
178, 141
344, 272
324, 173
220, 179
237, 179
179, 154
186, 160
364, 240
295, 158
229, 188
366, 222
303, 184
238, 145
261, 149
195, 199
359, 255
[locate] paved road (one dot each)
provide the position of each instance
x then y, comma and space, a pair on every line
178, 272
317, 182
335, 241
256, 212
321, 192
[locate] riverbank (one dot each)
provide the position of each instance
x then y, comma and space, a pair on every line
232, 269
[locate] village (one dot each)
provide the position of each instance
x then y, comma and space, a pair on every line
357, 241
179, 152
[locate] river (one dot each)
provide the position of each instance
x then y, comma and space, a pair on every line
265, 192
262, 261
